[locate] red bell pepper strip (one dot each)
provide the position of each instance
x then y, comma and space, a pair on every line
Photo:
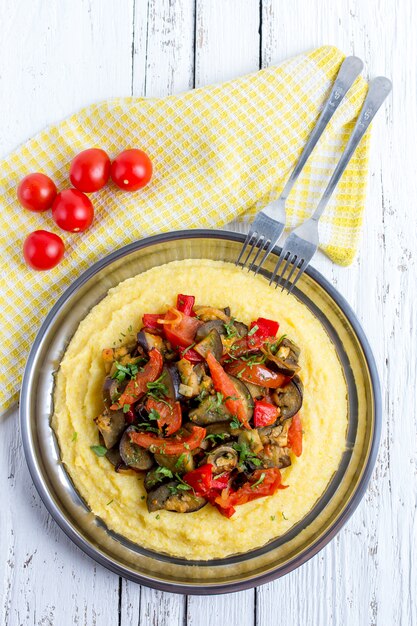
137, 387
170, 414
264, 414
223, 384
175, 445
185, 304
261, 331
208, 486
241, 347
191, 355
205, 483
227, 511
220, 481
200, 479
295, 435
266, 328
256, 374
180, 329
150, 320
263, 482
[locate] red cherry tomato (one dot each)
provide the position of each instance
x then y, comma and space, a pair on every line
43, 250
131, 170
36, 192
72, 210
90, 170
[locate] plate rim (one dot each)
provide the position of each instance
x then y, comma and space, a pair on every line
206, 588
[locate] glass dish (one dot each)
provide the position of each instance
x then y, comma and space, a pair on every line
281, 555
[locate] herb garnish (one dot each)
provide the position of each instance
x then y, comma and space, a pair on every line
112, 500
154, 415
148, 428
253, 330
157, 389
259, 482
160, 474
74, 436
203, 394
182, 457
230, 328
181, 486
215, 437
254, 359
246, 455
217, 401
99, 450
234, 423
126, 408
128, 371
276, 344
283, 515
190, 347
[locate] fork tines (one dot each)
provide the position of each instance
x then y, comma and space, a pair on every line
257, 240
253, 240
292, 263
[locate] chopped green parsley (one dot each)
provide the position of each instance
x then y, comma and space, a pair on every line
99, 450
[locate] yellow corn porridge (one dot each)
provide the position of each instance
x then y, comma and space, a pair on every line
118, 499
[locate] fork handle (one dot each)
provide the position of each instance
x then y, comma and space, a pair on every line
378, 90
349, 71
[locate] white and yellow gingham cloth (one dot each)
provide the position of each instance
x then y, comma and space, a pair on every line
218, 152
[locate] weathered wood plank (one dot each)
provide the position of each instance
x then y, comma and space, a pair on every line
58, 57
227, 45
350, 574
163, 63
54, 59
227, 39
164, 47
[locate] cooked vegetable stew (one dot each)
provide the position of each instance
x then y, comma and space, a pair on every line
204, 406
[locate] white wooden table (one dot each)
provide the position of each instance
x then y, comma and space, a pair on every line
58, 56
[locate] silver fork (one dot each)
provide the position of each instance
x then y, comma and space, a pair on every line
303, 242
269, 224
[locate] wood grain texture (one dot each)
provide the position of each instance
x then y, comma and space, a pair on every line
57, 57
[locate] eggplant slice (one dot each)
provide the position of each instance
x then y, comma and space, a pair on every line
224, 458
278, 458
244, 395
113, 455
111, 424
210, 411
211, 343
285, 361
132, 454
177, 464
112, 389
147, 341
239, 329
207, 327
169, 497
289, 398
171, 379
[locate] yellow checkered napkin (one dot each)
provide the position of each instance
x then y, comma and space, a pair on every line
218, 153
